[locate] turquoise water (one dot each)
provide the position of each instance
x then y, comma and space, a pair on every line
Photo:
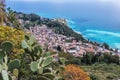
97, 34
97, 21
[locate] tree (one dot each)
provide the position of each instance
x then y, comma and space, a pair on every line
59, 48
105, 45
87, 58
115, 59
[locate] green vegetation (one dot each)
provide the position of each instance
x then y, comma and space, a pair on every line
57, 26
41, 63
100, 66
33, 64
91, 58
103, 71
7, 66
12, 21
106, 45
22, 58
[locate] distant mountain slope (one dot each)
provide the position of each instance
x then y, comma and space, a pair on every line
58, 25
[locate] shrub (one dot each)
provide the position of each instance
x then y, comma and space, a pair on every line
73, 72
75, 60
87, 58
93, 77
15, 36
66, 55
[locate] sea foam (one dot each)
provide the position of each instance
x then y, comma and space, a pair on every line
104, 32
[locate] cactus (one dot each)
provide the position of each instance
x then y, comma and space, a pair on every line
14, 64
47, 54
49, 75
24, 44
6, 46
1, 68
5, 59
33, 49
47, 61
40, 70
43, 78
1, 57
32, 40
40, 49
36, 49
27, 45
16, 72
43, 64
5, 67
40, 60
34, 66
5, 75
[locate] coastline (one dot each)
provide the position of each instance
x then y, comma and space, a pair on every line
92, 34
96, 35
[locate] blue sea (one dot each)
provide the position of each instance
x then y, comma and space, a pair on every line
97, 21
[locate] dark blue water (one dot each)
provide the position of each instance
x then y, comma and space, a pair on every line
97, 21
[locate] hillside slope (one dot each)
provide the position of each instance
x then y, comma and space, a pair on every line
58, 25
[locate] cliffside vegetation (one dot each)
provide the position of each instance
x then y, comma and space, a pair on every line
99, 67
22, 58
57, 26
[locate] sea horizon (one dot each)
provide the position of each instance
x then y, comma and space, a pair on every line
99, 22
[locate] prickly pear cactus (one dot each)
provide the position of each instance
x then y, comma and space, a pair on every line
24, 44
14, 64
6, 46
16, 72
47, 61
1, 57
34, 66
32, 40
5, 75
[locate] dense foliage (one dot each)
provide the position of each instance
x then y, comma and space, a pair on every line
34, 64
91, 58
103, 71
13, 35
100, 66
73, 72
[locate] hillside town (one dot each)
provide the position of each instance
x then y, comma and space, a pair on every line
55, 42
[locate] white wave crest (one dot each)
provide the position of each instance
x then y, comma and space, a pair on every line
104, 32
